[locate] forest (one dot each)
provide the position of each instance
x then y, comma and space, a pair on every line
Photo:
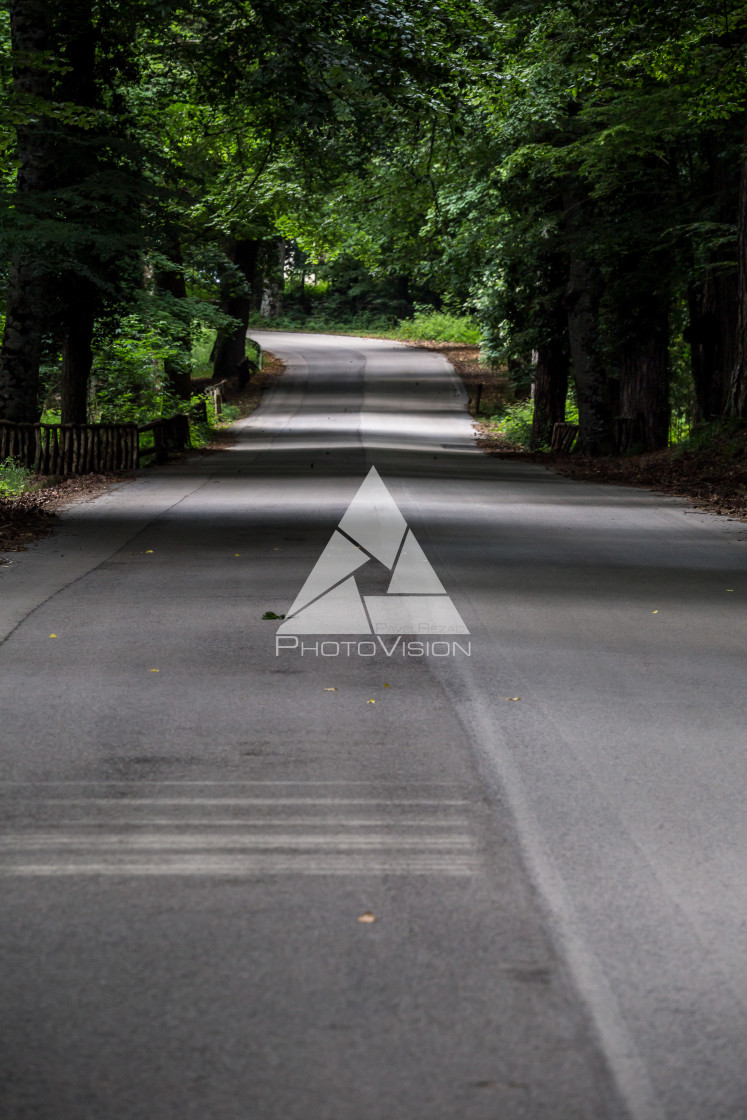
568, 179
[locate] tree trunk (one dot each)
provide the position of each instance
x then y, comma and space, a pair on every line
644, 394
582, 300
550, 391
713, 304
77, 356
553, 362
76, 157
229, 352
737, 395
26, 310
712, 334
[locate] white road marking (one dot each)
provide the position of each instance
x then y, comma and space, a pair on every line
122, 835
260, 864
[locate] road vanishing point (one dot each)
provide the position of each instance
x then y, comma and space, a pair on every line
478, 876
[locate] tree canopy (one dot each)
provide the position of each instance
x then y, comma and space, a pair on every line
571, 174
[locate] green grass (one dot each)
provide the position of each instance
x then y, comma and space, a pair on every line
514, 423
439, 326
15, 479
429, 326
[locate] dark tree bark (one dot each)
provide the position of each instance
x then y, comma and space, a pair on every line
588, 367
26, 310
237, 300
737, 395
712, 333
553, 360
644, 391
582, 302
550, 391
713, 303
75, 158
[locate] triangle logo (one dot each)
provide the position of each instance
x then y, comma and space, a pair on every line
372, 528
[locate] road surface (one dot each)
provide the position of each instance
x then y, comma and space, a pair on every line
503, 878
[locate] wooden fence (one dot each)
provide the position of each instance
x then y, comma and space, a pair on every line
563, 436
215, 394
67, 449
64, 449
169, 433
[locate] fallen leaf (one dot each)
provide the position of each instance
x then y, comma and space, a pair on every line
512, 698
148, 550
654, 612
237, 554
367, 918
53, 635
370, 701
154, 670
730, 589
386, 686
271, 614
329, 690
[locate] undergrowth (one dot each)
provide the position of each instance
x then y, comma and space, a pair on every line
428, 325
15, 479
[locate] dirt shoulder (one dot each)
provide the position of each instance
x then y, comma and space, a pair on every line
34, 515
712, 477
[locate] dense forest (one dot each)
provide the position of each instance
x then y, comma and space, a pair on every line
571, 175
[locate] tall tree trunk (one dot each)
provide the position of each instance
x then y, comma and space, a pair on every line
550, 390
79, 296
588, 368
26, 310
713, 331
77, 355
582, 304
553, 360
229, 352
644, 393
737, 395
713, 303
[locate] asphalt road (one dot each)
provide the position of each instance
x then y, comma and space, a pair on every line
548, 830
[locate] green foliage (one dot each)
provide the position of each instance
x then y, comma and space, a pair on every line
437, 326
14, 479
202, 345
722, 440
129, 384
415, 158
514, 424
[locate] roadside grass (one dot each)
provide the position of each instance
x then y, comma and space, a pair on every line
16, 479
426, 325
512, 424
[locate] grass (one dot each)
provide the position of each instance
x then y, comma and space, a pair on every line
430, 326
15, 479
